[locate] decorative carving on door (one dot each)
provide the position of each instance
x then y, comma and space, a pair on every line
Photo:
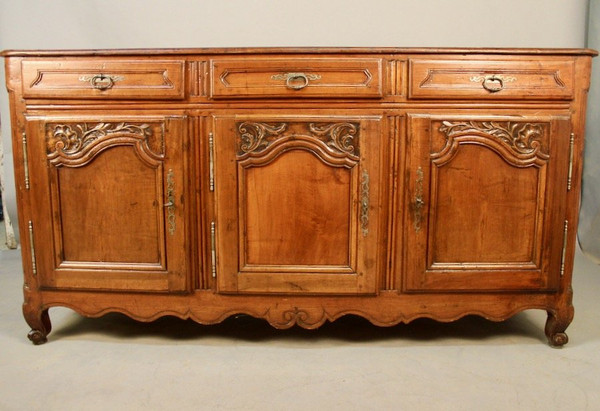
341, 137
256, 137
521, 144
75, 145
337, 144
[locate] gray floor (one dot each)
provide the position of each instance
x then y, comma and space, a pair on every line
2, 236
114, 363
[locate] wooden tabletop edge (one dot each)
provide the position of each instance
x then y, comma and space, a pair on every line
296, 50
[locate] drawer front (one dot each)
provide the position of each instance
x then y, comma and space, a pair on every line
95, 78
487, 79
297, 77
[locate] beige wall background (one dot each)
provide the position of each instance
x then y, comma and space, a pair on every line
95, 24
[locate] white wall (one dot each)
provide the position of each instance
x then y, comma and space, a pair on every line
60, 24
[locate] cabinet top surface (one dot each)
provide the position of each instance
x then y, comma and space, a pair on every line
296, 50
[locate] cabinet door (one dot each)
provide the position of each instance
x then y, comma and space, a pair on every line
107, 202
485, 202
297, 204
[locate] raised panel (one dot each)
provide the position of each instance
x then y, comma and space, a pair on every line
299, 224
109, 211
296, 77
472, 228
104, 79
484, 204
489, 79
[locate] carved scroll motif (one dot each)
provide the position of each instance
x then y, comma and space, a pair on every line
519, 143
256, 137
70, 139
339, 137
77, 144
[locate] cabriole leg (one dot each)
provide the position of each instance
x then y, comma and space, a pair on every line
39, 321
556, 324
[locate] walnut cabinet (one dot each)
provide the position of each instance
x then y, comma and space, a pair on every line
299, 185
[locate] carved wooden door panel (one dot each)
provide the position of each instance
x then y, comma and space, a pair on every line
108, 202
485, 202
297, 204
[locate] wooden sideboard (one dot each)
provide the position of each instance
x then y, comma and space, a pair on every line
299, 185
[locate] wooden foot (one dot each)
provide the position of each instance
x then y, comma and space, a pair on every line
556, 324
37, 337
39, 321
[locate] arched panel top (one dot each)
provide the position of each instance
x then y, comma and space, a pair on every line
298, 142
75, 145
337, 138
519, 144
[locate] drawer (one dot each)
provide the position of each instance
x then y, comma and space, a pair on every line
100, 78
296, 77
489, 79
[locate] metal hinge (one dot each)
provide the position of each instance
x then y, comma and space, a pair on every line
571, 155
213, 250
211, 160
32, 249
25, 160
564, 249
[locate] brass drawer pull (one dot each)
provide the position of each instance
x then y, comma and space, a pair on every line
101, 81
493, 83
296, 81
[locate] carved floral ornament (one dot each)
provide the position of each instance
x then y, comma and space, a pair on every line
256, 137
521, 140
76, 144
340, 137
71, 138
